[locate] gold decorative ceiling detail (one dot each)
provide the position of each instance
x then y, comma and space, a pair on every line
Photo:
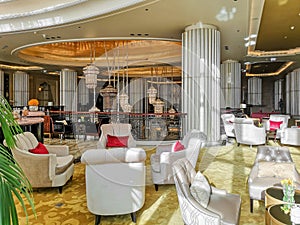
139, 55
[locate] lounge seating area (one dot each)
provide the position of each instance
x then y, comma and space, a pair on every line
225, 167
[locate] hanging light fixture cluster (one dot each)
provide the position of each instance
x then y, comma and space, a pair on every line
90, 72
152, 92
123, 97
109, 93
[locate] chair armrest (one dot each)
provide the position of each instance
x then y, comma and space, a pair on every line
218, 191
59, 150
171, 157
163, 148
253, 173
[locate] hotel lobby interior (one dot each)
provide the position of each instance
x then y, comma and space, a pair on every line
221, 76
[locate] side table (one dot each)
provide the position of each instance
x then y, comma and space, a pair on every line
277, 216
274, 196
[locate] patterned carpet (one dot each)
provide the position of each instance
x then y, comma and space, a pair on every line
227, 167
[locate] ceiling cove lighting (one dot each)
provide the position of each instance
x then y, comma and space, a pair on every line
276, 73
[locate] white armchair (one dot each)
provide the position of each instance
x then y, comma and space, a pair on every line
278, 118
228, 120
115, 181
247, 133
117, 130
222, 207
43, 170
164, 157
290, 136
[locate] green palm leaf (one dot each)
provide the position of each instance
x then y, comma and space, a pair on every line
13, 182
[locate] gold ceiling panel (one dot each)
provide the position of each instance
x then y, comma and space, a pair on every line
105, 53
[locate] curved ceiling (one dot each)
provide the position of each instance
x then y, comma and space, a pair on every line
55, 34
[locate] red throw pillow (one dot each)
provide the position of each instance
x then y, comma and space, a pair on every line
117, 141
177, 146
39, 149
274, 125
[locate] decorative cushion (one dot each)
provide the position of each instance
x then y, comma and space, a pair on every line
177, 146
200, 189
276, 169
39, 149
117, 141
274, 125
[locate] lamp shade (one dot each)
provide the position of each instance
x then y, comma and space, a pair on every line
243, 106
90, 72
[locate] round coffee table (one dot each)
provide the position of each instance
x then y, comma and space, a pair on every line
274, 196
277, 216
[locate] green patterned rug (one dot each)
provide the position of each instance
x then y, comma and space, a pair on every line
227, 167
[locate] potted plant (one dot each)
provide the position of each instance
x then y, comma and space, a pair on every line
13, 183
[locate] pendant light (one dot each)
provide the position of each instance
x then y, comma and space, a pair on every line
90, 72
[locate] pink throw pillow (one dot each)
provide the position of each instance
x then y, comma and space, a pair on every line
177, 146
39, 149
117, 141
274, 125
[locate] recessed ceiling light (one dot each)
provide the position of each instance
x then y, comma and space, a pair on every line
292, 27
285, 37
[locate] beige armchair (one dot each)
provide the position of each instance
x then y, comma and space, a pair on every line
164, 157
43, 170
272, 164
115, 181
221, 207
247, 133
115, 129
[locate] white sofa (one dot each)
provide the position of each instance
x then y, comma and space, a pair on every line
247, 133
290, 136
115, 181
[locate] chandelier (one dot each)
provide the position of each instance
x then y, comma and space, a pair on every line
90, 72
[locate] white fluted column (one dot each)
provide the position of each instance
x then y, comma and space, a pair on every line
2, 82
278, 93
293, 93
201, 80
83, 93
68, 89
230, 84
21, 88
254, 91
137, 94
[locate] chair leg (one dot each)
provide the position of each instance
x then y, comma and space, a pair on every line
97, 219
133, 216
60, 189
251, 205
156, 187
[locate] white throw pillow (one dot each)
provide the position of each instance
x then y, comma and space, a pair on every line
200, 189
276, 169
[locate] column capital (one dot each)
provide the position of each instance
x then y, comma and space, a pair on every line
200, 25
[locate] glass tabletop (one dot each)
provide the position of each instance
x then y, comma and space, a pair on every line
278, 194
278, 214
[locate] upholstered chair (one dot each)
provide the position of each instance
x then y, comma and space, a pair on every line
53, 169
228, 120
200, 203
247, 133
290, 136
166, 155
272, 123
116, 131
272, 164
115, 181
